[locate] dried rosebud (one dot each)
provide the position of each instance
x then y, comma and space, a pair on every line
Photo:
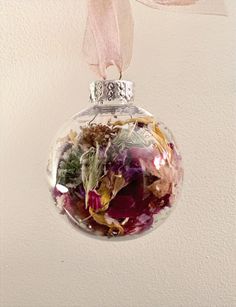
94, 200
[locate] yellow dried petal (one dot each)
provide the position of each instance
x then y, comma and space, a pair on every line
104, 191
110, 185
100, 219
72, 136
105, 198
162, 142
119, 183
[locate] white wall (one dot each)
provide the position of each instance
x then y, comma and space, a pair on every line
187, 81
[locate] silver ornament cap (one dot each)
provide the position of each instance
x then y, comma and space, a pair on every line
111, 90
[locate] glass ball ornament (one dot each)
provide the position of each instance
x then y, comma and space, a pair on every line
114, 170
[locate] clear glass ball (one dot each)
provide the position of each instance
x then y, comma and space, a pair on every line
115, 171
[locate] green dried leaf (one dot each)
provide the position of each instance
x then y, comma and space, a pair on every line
92, 169
69, 170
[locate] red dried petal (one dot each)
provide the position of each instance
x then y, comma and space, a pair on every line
138, 224
122, 206
94, 200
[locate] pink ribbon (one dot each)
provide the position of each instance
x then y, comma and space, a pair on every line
154, 3
108, 36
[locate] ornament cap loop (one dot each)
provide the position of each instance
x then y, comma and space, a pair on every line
111, 90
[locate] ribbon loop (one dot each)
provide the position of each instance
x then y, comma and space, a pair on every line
108, 36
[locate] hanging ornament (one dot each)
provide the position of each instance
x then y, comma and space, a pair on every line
114, 170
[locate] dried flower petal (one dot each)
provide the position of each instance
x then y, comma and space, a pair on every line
122, 206
94, 200
160, 187
113, 225
162, 143
138, 224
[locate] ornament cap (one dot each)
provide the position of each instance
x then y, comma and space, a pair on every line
102, 91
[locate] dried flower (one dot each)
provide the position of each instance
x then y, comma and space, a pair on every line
97, 133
